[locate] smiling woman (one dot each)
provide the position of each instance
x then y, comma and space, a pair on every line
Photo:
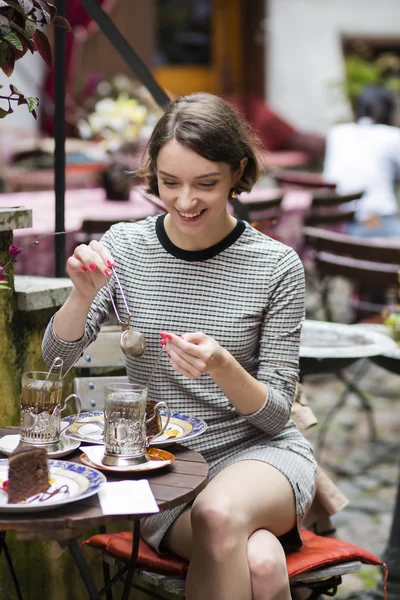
228, 304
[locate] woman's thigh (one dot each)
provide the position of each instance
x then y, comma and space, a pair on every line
251, 493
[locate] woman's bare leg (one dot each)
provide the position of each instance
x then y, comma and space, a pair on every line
267, 564
214, 534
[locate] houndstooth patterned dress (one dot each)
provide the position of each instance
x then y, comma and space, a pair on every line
247, 292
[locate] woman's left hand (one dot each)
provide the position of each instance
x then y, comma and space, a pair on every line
193, 354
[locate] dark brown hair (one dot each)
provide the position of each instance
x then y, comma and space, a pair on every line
210, 127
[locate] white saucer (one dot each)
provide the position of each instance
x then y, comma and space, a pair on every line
65, 446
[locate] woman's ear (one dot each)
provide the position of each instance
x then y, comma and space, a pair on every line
239, 172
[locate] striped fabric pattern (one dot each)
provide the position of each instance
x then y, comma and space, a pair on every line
247, 293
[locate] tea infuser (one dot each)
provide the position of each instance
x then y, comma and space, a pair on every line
57, 363
133, 343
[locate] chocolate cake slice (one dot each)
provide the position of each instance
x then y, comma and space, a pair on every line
28, 473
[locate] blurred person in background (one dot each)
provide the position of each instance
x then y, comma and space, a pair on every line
365, 155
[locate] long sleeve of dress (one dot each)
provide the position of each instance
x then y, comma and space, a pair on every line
70, 352
279, 343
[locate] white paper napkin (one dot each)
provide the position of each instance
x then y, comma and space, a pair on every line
127, 498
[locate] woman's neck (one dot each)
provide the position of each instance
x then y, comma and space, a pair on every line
214, 234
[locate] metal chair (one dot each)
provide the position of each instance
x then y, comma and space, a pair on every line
329, 209
304, 180
261, 213
371, 265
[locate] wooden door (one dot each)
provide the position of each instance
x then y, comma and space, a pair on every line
199, 46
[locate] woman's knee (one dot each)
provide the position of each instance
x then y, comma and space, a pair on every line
267, 562
216, 524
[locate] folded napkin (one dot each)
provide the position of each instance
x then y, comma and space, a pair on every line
127, 498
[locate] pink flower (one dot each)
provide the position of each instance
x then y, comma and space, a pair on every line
2, 277
14, 250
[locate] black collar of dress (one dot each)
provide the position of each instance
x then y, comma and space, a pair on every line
197, 255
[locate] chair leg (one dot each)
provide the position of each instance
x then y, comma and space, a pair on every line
4, 548
351, 387
106, 572
132, 564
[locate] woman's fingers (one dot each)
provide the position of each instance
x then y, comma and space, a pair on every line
185, 363
92, 260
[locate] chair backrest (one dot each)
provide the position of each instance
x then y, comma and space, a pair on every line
302, 180
91, 390
105, 351
372, 261
257, 210
328, 208
95, 228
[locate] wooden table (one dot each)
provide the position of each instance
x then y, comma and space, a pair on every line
177, 484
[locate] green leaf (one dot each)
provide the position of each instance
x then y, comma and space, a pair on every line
4, 287
7, 59
30, 28
4, 113
32, 102
4, 21
42, 45
14, 40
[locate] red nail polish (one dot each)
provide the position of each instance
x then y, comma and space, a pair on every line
169, 356
110, 264
107, 272
163, 343
163, 335
92, 267
83, 268
168, 336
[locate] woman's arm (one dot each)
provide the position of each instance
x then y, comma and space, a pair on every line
78, 321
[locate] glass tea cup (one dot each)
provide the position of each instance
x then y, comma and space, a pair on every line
41, 407
125, 434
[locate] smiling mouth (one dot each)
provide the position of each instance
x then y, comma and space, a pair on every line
194, 215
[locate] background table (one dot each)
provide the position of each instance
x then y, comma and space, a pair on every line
178, 483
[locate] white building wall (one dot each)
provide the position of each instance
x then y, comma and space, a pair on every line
304, 56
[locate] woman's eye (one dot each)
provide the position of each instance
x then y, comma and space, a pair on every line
208, 185
170, 183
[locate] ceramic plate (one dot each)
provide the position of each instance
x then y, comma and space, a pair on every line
77, 482
65, 446
89, 428
158, 460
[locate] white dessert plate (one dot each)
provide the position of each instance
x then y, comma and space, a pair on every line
65, 446
158, 459
70, 482
89, 428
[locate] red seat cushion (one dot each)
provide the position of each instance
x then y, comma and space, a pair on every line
317, 551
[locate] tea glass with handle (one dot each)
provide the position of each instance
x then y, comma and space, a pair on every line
41, 407
125, 436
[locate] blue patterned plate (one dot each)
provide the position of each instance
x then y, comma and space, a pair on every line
89, 428
69, 481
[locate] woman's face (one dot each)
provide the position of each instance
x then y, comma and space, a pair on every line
195, 190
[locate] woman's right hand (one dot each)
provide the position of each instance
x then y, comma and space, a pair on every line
89, 268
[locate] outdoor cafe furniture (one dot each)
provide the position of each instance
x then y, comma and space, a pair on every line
176, 484
370, 264
328, 347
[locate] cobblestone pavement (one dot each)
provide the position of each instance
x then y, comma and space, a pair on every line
366, 472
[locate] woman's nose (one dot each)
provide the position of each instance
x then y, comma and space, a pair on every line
186, 201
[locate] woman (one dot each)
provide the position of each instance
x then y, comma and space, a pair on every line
365, 156
228, 303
